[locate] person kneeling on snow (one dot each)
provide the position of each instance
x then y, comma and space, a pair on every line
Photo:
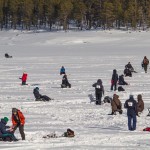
140, 105
65, 82
116, 105
39, 97
121, 80
6, 133
127, 72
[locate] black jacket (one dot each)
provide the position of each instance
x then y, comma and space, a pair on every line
121, 80
65, 80
99, 87
36, 93
131, 106
114, 76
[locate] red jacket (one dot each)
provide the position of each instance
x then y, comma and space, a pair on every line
24, 77
21, 118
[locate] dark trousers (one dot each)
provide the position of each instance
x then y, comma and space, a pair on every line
114, 85
23, 82
98, 98
132, 122
21, 130
145, 68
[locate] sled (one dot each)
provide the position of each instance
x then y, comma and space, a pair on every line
92, 98
148, 111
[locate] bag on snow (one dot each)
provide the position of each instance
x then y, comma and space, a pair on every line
120, 88
69, 133
107, 99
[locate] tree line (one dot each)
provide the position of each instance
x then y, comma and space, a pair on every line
80, 14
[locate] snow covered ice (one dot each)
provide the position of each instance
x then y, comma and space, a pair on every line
87, 56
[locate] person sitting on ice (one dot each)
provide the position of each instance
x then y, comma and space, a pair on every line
7, 56
65, 82
140, 105
121, 80
127, 72
6, 132
62, 70
39, 97
130, 67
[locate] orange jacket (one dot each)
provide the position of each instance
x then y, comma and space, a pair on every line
21, 118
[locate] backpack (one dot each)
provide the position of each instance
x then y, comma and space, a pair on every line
107, 99
120, 88
145, 61
69, 133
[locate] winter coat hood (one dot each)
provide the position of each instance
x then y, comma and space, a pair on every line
99, 81
3, 121
139, 97
114, 71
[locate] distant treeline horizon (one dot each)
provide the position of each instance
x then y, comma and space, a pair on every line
79, 14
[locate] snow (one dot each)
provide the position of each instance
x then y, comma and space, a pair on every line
87, 56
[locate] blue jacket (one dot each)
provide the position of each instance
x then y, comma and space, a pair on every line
131, 106
62, 70
3, 127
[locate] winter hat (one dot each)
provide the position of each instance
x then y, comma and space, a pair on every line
131, 96
14, 110
6, 119
37, 88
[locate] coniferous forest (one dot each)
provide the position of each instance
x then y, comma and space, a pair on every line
79, 14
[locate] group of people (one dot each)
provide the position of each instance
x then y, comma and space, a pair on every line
134, 108
18, 121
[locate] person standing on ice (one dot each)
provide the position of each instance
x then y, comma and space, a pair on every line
24, 78
131, 106
18, 121
145, 63
99, 91
114, 80
62, 70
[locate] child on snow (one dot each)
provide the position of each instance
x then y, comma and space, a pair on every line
6, 132
24, 78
